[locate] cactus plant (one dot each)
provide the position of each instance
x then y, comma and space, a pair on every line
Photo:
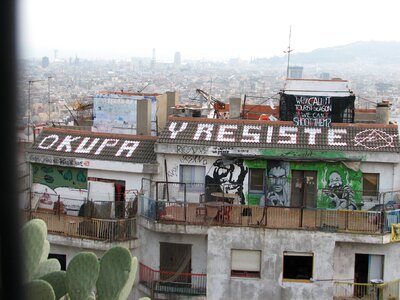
34, 247
86, 278
38, 289
82, 274
58, 282
117, 269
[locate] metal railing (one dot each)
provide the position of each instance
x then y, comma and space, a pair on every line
225, 214
90, 228
85, 208
172, 283
368, 291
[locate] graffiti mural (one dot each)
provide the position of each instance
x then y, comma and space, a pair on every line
278, 193
226, 176
55, 176
337, 185
341, 195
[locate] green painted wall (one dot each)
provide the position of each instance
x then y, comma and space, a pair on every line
308, 154
324, 169
55, 176
253, 198
349, 177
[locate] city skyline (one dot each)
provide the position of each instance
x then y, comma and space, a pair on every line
217, 30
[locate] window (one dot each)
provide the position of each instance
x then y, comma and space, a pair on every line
370, 184
297, 266
245, 263
193, 176
62, 258
257, 180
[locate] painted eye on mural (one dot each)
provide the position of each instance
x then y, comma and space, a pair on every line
48, 178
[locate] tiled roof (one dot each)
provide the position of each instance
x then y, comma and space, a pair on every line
95, 145
280, 135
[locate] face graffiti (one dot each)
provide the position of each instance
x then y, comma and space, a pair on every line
228, 177
341, 195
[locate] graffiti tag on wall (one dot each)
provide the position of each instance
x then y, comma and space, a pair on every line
181, 149
193, 159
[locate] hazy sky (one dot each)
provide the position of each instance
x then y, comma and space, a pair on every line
209, 29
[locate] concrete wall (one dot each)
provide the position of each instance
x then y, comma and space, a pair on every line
132, 180
344, 259
272, 243
143, 125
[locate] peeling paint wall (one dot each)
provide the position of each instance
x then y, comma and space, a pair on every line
272, 243
344, 259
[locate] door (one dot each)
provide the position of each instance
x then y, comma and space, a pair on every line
175, 263
367, 267
304, 189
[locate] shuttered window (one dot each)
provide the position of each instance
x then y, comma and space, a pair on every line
245, 263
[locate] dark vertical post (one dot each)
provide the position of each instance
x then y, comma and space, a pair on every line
11, 260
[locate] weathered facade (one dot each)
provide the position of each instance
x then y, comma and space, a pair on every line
300, 208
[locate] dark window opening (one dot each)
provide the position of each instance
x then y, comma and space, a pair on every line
370, 184
62, 258
298, 266
253, 274
175, 263
257, 180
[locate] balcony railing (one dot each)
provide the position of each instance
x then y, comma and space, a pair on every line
172, 283
224, 214
89, 228
86, 208
367, 291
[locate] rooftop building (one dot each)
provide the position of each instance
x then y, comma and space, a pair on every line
291, 199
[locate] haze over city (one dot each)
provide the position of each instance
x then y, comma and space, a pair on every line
215, 30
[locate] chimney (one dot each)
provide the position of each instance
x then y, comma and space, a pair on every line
234, 108
383, 112
172, 101
143, 118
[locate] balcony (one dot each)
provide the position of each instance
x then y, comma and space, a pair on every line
367, 291
93, 220
164, 282
197, 204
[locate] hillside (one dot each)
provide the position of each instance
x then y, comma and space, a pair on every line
372, 52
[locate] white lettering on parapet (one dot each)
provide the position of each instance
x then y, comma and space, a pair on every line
69, 145
175, 132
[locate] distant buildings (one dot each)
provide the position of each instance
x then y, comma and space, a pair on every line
45, 62
177, 59
296, 72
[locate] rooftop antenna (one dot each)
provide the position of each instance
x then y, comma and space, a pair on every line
288, 52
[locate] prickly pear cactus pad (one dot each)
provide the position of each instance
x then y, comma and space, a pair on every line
58, 281
34, 238
82, 274
115, 272
39, 290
